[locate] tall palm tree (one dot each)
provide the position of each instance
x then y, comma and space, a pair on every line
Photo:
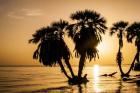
60, 26
51, 47
133, 33
119, 28
86, 34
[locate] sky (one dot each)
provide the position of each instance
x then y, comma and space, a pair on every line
19, 19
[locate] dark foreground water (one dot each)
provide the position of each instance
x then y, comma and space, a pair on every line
51, 80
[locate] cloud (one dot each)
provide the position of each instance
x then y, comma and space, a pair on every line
23, 13
35, 12
15, 15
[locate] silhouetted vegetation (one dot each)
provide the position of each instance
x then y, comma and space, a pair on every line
119, 28
52, 48
86, 32
131, 32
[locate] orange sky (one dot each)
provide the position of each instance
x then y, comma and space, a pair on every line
20, 18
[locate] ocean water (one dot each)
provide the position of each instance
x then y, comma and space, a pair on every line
51, 80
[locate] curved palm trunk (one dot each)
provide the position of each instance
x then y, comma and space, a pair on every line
63, 69
81, 64
132, 64
119, 61
122, 73
119, 55
69, 67
120, 67
138, 60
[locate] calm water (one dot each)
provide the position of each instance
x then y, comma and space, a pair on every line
51, 80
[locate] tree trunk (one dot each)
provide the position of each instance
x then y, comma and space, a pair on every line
120, 67
119, 61
69, 67
132, 64
81, 64
63, 69
136, 58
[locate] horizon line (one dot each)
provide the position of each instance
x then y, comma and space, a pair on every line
56, 65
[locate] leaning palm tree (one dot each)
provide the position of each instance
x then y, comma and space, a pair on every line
119, 28
133, 33
86, 34
60, 26
51, 48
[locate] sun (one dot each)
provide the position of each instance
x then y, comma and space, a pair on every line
103, 47
107, 45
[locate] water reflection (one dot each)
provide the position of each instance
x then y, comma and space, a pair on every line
50, 80
96, 78
120, 86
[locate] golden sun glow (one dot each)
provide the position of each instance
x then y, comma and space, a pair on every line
96, 78
103, 47
106, 46
96, 71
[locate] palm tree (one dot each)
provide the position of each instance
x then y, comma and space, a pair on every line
60, 26
86, 34
133, 33
119, 28
51, 47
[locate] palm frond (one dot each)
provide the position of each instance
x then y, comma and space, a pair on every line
61, 24
92, 53
51, 47
133, 32
39, 34
36, 54
86, 32
71, 30
118, 27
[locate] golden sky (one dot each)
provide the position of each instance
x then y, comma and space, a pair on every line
20, 18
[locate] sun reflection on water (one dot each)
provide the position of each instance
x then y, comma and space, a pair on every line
96, 78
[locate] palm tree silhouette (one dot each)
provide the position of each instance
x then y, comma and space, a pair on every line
51, 46
86, 34
119, 28
133, 33
60, 26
